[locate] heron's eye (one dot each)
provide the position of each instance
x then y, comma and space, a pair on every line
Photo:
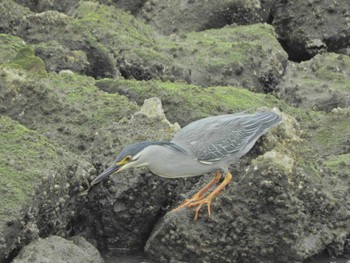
128, 158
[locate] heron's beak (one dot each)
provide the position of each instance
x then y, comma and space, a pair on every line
110, 170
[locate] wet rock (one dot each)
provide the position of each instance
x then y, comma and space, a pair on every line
307, 28
318, 84
58, 249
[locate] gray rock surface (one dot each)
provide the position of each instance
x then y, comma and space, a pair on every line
219, 57
173, 17
137, 197
289, 199
60, 250
319, 84
270, 212
307, 28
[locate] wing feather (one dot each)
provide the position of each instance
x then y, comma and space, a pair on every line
214, 138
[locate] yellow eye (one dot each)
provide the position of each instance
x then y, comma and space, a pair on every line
128, 158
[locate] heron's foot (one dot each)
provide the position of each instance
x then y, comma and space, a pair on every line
198, 196
187, 202
198, 200
206, 200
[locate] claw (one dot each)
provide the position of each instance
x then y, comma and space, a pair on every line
198, 199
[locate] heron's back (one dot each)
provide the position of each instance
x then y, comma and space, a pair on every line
225, 137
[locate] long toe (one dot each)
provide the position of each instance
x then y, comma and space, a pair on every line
207, 200
187, 202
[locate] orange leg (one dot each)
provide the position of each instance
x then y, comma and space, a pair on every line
207, 200
200, 193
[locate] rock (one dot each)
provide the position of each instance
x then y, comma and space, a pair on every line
225, 56
289, 198
152, 111
218, 57
274, 195
318, 84
62, 109
36, 28
135, 197
11, 16
58, 58
307, 28
60, 250
173, 17
133, 6
36, 200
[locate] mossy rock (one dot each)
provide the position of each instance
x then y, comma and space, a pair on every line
339, 164
26, 59
185, 103
9, 47
24, 156
321, 83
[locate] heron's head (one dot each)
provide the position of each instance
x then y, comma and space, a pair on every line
131, 156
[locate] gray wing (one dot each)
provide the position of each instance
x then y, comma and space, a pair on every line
215, 138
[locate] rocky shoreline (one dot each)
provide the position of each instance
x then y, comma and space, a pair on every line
79, 80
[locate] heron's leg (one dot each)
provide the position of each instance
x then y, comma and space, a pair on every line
200, 193
207, 200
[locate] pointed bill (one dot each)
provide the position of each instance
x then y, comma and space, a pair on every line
110, 170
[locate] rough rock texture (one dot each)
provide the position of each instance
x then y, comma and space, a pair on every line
58, 58
172, 17
60, 250
136, 198
306, 28
132, 6
73, 76
255, 215
44, 5
39, 185
136, 51
187, 103
322, 83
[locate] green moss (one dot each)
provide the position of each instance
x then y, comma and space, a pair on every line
332, 134
25, 59
218, 47
9, 46
111, 26
328, 72
335, 68
23, 53
24, 156
122, 32
342, 160
190, 99
80, 93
